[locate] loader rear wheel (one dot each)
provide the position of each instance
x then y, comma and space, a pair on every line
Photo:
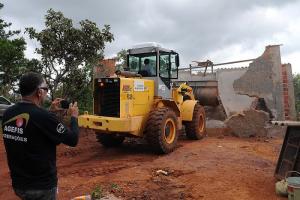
110, 140
161, 130
196, 129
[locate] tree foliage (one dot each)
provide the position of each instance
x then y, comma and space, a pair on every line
69, 53
121, 59
4, 34
296, 80
12, 60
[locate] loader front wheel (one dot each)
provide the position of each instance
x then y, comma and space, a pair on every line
196, 129
161, 130
110, 140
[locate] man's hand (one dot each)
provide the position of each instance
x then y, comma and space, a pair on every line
73, 110
55, 105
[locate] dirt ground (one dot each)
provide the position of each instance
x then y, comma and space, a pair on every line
213, 168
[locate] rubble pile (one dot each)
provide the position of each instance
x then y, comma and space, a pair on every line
249, 123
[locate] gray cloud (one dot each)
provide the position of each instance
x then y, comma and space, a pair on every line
196, 29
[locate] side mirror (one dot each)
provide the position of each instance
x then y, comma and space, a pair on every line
177, 60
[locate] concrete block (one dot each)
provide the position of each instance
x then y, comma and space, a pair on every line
248, 123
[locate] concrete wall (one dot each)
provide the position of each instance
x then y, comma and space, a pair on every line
186, 76
231, 100
264, 79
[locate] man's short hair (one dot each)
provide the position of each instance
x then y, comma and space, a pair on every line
29, 82
146, 61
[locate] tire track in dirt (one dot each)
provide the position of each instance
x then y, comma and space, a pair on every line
92, 171
76, 151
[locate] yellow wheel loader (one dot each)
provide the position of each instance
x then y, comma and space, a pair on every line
141, 101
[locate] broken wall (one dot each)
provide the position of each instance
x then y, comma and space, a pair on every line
231, 100
264, 79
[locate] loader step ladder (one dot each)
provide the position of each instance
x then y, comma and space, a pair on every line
289, 158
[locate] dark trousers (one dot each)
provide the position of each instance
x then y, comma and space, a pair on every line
36, 194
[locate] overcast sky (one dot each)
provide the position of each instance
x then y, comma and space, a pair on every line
219, 30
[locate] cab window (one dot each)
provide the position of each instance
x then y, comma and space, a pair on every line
144, 64
164, 64
168, 66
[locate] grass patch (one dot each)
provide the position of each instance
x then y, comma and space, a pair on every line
97, 193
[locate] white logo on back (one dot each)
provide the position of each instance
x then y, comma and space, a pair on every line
60, 128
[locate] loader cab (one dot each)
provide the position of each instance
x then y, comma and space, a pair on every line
154, 62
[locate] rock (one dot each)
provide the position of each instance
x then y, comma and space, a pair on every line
162, 172
249, 123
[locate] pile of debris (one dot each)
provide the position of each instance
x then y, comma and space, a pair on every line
249, 123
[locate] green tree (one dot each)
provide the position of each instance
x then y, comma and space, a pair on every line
4, 34
68, 53
12, 60
121, 59
296, 80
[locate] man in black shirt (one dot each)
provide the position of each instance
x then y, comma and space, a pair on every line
31, 135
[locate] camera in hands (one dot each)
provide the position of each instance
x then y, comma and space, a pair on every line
64, 104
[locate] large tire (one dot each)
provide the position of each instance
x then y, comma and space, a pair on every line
110, 140
196, 129
161, 130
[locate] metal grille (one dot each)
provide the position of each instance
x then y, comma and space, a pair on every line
107, 97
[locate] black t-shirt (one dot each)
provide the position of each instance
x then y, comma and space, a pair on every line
30, 136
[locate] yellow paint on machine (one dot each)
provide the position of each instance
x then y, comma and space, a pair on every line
136, 101
111, 124
187, 110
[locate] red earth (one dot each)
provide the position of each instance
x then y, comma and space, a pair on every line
221, 167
